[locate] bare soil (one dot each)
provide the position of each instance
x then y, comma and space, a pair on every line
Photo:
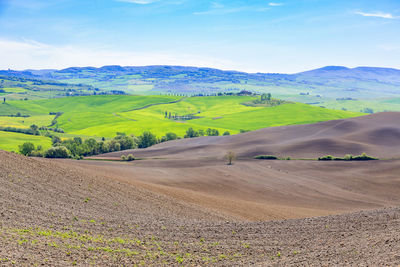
181, 204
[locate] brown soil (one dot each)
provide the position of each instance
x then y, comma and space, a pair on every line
183, 205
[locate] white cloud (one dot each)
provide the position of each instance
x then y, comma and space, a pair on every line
28, 54
390, 48
275, 4
377, 15
141, 2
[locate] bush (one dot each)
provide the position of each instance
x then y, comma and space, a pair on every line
364, 156
349, 157
328, 157
226, 133
26, 148
265, 157
130, 157
57, 152
171, 136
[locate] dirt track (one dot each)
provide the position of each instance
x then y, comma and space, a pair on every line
189, 207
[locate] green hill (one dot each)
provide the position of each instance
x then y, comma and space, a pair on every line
104, 116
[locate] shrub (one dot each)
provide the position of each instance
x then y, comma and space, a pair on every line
57, 152
328, 157
26, 148
36, 153
348, 157
226, 133
363, 156
170, 136
265, 157
130, 157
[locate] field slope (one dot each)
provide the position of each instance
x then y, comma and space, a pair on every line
197, 212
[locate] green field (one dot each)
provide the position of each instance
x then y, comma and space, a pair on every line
104, 116
10, 141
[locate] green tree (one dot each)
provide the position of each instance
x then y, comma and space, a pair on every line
35, 129
78, 140
190, 133
55, 140
212, 132
226, 133
26, 148
147, 139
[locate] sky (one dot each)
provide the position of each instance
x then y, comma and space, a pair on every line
276, 36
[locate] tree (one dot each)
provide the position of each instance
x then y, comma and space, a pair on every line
35, 129
190, 133
147, 139
78, 140
230, 156
265, 97
92, 146
26, 148
212, 132
226, 133
55, 140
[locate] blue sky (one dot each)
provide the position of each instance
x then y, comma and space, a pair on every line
256, 36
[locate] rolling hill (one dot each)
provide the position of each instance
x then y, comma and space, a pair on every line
377, 134
105, 116
356, 89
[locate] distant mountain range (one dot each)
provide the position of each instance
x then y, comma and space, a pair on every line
329, 72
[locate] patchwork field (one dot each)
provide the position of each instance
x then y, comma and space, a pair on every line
105, 116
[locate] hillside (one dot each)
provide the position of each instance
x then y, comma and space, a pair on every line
105, 116
377, 135
356, 89
195, 170
196, 212
14, 86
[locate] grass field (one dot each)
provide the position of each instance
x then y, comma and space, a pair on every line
104, 116
10, 141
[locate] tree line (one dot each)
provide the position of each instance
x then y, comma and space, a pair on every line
78, 148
